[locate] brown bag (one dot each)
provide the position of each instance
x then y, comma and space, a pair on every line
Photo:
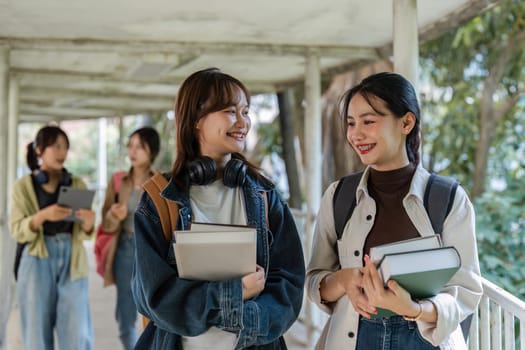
167, 210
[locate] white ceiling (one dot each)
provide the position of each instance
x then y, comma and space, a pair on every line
76, 59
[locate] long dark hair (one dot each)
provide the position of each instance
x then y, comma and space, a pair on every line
148, 136
203, 92
46, 136
399, 97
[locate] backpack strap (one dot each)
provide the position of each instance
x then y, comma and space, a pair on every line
168, 210
117, 180
344, 201
439, 190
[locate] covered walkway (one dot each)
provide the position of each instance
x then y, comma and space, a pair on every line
71, 60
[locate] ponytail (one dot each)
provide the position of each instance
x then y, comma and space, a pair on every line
32, 157
412, 144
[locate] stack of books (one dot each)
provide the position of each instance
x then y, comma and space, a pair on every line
215, 252
422, 266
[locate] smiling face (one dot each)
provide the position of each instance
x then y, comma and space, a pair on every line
378, 137
223, 132
54, 155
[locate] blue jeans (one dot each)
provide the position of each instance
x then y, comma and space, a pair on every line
390, 333
49, 301
126, 311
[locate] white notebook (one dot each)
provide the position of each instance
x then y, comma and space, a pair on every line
419, 243
215, 252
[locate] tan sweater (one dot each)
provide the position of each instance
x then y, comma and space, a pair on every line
24, 205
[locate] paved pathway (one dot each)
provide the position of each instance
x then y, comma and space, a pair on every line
102, 302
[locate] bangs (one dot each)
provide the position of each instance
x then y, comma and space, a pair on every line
223, 94
49, 135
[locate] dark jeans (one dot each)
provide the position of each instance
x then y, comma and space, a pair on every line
126, 311
390, 333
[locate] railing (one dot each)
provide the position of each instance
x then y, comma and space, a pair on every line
500, 318
498, 324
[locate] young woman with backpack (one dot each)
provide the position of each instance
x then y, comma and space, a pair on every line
382, 119
117, 216
212, 182
52, 284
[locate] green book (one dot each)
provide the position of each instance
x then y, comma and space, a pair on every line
423, 273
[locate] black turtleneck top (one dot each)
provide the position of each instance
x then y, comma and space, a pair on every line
391, 224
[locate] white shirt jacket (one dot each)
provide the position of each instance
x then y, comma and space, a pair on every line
454, 303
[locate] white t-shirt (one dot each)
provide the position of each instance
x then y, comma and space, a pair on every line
215, 203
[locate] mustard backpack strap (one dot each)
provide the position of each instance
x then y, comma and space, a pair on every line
168, 210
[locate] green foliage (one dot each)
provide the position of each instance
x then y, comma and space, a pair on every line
501, 238
456, 69
269, 136
267, 128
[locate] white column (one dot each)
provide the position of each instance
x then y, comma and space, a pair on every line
121, 149
12, 139
6, 243
313, 152
313, 134
406, 42
4, 86
102, 160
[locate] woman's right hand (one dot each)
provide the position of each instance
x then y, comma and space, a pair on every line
347, 282
52, 212
119, 211
253, 283
55, 212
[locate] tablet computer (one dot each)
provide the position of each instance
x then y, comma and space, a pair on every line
75, 198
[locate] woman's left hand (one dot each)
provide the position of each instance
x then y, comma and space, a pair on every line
253, 283
87, 216
394, 298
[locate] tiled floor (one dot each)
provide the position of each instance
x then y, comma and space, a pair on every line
105, 328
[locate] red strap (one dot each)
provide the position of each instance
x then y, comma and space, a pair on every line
117, 180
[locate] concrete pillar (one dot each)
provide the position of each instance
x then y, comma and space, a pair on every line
313, 135
121, 149
406, 41
4, 86
102, 160
12, 139
313, 152
6, 262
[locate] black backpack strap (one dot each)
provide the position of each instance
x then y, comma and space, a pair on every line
440, 190
344, 201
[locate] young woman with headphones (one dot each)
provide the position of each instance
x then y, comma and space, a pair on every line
212, 182
52, 284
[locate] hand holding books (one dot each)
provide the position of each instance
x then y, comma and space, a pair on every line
253, 283
420, 266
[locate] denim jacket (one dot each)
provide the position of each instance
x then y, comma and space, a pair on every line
181, 307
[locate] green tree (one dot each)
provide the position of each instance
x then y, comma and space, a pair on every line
473, 105
478, 71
